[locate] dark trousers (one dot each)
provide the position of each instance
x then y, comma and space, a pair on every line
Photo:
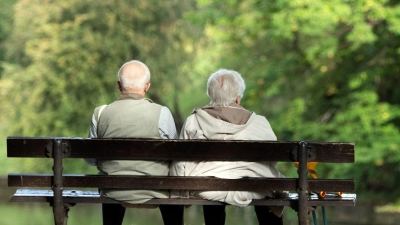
266, 217
113, 214
215, 215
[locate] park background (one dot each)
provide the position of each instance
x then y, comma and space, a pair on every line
318, 70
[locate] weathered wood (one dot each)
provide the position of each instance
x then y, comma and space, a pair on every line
179, 150
187, 183
72, 196
190, 150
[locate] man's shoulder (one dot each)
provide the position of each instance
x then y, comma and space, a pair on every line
149, 101
99, 107
98, 110
255, 118
196, 110
192, 115
164, 110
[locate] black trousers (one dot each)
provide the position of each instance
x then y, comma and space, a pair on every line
215, 215
113, 214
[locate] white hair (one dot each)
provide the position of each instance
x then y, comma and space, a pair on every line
224, 86
133, 79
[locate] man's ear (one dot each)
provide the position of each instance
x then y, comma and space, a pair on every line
237, 101
119, 86
146, 89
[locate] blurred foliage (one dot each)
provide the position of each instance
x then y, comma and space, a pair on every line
66, 60
318, 70
6, 18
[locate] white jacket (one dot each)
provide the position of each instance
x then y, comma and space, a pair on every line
200, 125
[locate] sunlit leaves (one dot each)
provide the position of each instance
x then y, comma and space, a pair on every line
319, 70
70, 52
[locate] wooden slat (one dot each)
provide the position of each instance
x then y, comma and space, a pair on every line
191, 150
28, 147
188, 183
24, 195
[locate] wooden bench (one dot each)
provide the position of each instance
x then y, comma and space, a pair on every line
65, 190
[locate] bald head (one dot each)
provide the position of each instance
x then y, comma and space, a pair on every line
134, 77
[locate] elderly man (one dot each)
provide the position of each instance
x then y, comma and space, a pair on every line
133, 116
225, 119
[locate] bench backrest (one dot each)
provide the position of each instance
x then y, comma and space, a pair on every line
191, 150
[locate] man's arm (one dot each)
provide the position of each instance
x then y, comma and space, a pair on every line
92, 134
191, 129
166, 124
93, 128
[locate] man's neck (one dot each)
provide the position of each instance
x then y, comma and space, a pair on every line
125, 96
142, 93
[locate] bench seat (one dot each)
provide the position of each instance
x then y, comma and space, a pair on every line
79, 196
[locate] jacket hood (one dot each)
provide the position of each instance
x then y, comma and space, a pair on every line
213, 128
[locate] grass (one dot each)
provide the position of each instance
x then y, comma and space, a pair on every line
41, 214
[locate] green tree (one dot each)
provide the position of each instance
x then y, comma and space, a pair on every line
63, 57
64, 62
6, 21
6, 18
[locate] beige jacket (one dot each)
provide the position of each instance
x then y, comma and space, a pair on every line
200, 125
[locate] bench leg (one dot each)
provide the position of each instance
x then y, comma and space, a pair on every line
66, 210
61, 216
57, 186
303, 184
58, 217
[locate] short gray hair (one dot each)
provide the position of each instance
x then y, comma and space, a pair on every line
134, 79
224, 86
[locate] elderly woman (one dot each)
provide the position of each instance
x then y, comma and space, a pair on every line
225, 119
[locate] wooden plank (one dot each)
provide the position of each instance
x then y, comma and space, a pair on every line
191, 150
91, 197
188, 183
27, 147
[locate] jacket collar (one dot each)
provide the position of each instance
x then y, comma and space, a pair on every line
233, 113
126, 96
